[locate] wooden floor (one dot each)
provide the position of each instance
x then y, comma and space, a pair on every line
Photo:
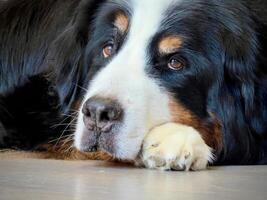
95, 180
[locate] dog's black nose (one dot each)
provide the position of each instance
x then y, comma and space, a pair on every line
101, 114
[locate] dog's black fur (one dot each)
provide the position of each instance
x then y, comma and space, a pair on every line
41, 69
44, 66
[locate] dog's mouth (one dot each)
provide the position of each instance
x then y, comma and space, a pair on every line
102, 119
94, 141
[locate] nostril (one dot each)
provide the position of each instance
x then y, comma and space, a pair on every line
101, 113
104, 116
114, 114
110, 114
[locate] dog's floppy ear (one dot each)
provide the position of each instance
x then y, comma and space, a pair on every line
240, 62
84, 15
237, 93
65, 56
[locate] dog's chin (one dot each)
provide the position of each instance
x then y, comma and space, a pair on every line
92, 141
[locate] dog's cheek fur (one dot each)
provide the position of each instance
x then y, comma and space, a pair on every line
209, 128
235, 122
238, 97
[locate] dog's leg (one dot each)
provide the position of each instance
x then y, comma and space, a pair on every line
177, 147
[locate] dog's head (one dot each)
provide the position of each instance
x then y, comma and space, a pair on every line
151, 62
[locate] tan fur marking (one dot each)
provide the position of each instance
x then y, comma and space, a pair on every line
121, 22
64, 150
76, 105
170, 44
210, 129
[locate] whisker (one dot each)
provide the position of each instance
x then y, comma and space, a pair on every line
57, 125
69, 149
70, 115
74, 111
68, 140
86, 90
67, 117
65, 131
65, 136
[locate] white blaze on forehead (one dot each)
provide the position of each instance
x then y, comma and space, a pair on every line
133, 57
125, 80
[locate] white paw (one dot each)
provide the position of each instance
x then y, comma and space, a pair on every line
177, 147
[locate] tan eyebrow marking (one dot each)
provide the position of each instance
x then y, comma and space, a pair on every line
121, 22
170, 44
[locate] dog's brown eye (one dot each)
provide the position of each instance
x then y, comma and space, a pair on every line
176, 64
108, 50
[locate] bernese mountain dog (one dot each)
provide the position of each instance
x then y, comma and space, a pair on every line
167, 84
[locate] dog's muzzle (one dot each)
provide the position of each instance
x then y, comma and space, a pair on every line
101, 117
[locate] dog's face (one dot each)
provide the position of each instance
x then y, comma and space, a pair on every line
149, 66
